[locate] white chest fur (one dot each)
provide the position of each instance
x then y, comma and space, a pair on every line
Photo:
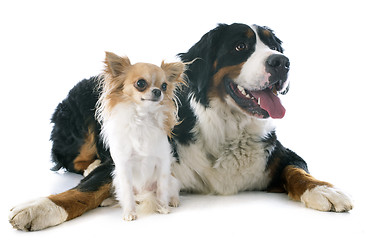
142, 155
136, 138
228, 155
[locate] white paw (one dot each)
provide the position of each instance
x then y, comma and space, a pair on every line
130, 216
325, 198
174, 202
91, 167
36, 215
163, 209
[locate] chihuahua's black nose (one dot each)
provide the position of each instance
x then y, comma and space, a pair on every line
156, 93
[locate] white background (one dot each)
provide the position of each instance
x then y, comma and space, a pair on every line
46, 47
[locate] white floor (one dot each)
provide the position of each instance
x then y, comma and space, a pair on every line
254, 215
46, 47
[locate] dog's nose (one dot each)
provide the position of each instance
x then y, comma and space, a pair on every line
277, 66
156, 93
278, 63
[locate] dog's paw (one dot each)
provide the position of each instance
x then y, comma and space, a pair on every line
174, 202
163, 209
36, 215
131, 216
326, 198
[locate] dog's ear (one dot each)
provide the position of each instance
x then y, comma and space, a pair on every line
174, 71
201, 58
115, 65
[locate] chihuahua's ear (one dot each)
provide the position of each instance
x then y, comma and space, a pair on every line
173, 71
115, 64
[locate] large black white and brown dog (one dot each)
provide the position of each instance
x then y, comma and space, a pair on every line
225, 143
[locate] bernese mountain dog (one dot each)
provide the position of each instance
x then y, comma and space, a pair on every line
225, 142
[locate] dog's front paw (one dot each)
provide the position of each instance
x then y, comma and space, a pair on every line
130, 216
174, 202
326, 198
163, 209
36, 215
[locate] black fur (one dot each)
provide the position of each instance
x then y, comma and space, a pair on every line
99, 177
182, 132
272, 41
281, 157
72, 119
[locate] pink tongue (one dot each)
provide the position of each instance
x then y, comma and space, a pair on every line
270, 102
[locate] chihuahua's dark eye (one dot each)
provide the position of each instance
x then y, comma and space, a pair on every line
164, 86
241, 47
141, 84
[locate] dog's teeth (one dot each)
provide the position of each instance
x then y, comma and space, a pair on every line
274, 90
259, 101
248, 96
242, 90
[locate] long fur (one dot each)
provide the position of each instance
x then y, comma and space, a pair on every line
136, 123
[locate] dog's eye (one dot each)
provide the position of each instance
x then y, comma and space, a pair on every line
141, 84
241, 47
274, 48
164, 86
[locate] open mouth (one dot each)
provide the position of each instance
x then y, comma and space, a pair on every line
262, 103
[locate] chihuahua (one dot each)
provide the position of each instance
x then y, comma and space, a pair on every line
137, 111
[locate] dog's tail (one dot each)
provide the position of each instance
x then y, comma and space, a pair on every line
148, 204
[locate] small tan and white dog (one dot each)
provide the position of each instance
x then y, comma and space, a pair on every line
137, 112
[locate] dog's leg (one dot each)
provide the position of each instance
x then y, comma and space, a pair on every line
315, 194
163, 194
56, 209
163, 187
174, 189
124, 189
37, 214
289, 173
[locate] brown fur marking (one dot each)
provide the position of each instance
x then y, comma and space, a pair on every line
217, 89
266, 33
277, 186
250, 33
175, 75
87, 152
76, 202
297, 181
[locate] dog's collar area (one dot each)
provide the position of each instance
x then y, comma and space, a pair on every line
262, 104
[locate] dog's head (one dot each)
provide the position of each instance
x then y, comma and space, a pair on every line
145, 85
141, 83
244, 66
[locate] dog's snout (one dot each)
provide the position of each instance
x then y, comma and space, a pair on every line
278, 66
278, 62
156, 93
